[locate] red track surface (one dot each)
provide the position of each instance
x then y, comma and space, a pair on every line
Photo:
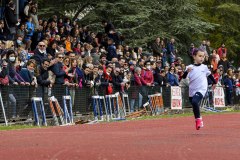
171, 138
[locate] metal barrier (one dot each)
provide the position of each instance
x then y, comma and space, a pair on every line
18, 105
68, 114
114, 106
56, 111
35, 100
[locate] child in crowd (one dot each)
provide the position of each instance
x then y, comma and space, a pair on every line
198, 83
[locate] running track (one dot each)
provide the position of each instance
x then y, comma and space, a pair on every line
170, 139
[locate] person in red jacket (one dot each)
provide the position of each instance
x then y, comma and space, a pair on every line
147, 75
222, 50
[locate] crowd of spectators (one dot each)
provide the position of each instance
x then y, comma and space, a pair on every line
58, 51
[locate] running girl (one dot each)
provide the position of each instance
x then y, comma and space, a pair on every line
198, 83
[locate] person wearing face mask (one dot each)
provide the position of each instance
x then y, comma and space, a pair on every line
147, 80
14, 79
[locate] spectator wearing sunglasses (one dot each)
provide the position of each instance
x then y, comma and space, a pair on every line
40, 53
57, 69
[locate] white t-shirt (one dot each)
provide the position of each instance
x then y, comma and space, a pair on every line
198, 79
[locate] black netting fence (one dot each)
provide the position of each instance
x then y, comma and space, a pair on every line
18, 106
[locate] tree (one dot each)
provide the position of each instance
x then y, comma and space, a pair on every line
226, 14
142, 21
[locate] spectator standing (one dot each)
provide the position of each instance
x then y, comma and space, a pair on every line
11, 20
108, 26
222, 50
171, 50
157, 48
112, 53
228, 83
224, 63
33, 14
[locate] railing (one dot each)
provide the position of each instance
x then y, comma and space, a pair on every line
17, 99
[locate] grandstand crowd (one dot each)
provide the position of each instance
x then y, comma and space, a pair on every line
59, 51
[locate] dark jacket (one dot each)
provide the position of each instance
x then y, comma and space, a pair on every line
225, 63
87, 80
51, 51
111, 52
228, 82
57, 69
26, 75
42, 78
156, 48
160, 80
39, 57
117, 80
11, 18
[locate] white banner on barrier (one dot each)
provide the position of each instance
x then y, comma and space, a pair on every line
218, 98
176, 97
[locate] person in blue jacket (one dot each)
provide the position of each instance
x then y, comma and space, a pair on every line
228, 83
172, 79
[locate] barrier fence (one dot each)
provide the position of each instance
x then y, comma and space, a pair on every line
18, 102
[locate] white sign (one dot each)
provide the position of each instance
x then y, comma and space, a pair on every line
218, 97
176, 97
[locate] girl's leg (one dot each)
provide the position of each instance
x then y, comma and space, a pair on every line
195, 101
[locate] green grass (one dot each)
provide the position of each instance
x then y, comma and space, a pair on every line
20, 127
188, 114
16, 127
